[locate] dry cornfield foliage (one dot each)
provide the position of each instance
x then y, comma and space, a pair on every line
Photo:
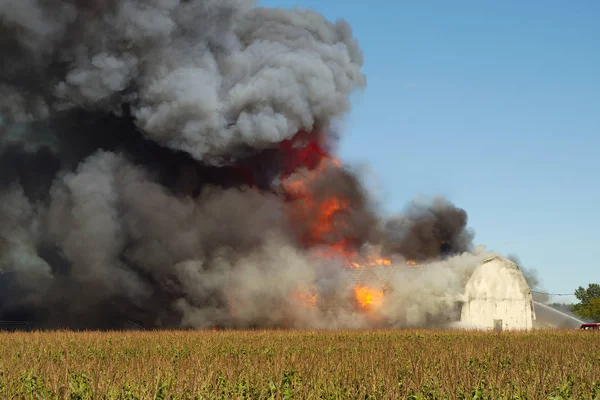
299, 364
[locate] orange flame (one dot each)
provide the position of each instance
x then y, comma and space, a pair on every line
320, 214
411, 262
306, 298
327, 210
368, 297
306, 160
370, 262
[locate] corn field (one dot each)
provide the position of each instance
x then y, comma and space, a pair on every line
299, 365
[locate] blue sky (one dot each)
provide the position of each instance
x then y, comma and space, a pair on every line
494, 105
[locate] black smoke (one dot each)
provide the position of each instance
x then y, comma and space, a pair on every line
427, 230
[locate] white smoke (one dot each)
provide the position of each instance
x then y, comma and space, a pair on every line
431, 293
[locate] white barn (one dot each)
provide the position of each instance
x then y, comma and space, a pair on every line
498, 297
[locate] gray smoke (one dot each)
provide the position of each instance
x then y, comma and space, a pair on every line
205, 77
533, 279
148, 151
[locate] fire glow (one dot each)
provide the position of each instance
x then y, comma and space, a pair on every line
370, 262
306, 298
368, 297
306, 159
305, 164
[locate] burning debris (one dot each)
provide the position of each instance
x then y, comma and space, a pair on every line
171, 162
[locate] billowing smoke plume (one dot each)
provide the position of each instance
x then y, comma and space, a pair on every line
168, 161
425, 230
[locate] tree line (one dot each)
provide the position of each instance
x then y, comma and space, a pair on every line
588, 307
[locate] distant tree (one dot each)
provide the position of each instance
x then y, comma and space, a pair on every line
589, 302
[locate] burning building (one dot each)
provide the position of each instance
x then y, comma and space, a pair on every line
172, 163
490, 293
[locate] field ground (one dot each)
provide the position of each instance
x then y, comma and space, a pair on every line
299, 364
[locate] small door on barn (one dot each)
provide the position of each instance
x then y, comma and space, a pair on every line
498, 325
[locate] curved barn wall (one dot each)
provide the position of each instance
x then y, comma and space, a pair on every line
497, 296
